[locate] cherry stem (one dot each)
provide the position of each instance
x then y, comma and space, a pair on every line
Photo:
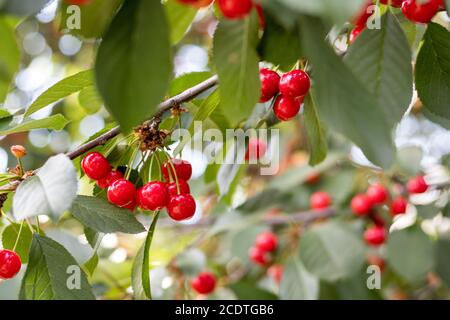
169, 159
18, 236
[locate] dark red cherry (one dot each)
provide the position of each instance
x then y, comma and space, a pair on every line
10, 264
259, 256
375, 236
421, 12
181, 207
320, 200
266, 241
121, 193
182, 167
393, 3
153, 196
286, 108
361, 205
204, 283
110, 178
270, 81
377, 193
295, 83
417, 185
235, 9
398, 206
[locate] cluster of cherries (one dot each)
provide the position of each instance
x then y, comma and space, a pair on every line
290, 90
172, 194
413, 10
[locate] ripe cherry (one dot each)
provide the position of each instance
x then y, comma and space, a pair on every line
276, 272
183, 187
375, 236
181, 207
417, 185
376, 261
364, 15
261, 18
361, 205
295, 83
182, 167
112, 176
153, 196
95, 165
235, 9
78, 2
204, 283
377, 193
398, 206
121, 193
270, 81
266, 241
256, 149
259, 256
421, 12
10, 264
286, 108
313, 178
320, 200
393, 3
355, 33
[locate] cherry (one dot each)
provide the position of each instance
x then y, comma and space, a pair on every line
256, 149
18, 151
266, 241
204, 283
259, 256
235, 9
188, 1
286, 108
78, 2
182, 167
313, 178
417, 185
421, 12
121, 193
295, 83
393, 3
95, 165
377, 193
130, 206
276, 272
375, 236
355, 33
10, 264
398, 206
270, 81
261, 18
112, 176
181, 207
320, 200
363, 16
153, 196
377, 219
361, 205
173, 190
377, 261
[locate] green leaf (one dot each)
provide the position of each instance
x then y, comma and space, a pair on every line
90, 99
191, 261
410, 252
342, 101
442, 257
297, 283
237, 65
52, 274
50, 191
381, 60
248, 290
9, 55
332, 251
91, 235
91, 264
134, 62
104, 217
4, 113
61, 90
443, 122
55, 122
180, 17
317, 139
186, 81
433, 70
20, 234
22, 7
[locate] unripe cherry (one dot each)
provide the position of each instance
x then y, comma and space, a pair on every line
270, 81
286, 108
95, 165
361, 205
266, 241
417, 185
375, 236
398, 206
204, 283
121, 193
10, 264
377, 193
181, 207
112, 176
295, 83
153, 196
320, 200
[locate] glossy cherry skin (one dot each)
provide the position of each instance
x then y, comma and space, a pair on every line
256, 149
10, 264
320, 200
181, 207
377, 193
78, 2
266, 241
182, 167
270, 81
95, 165
355, 33
417, 185
235, 9
375, 236
153, 196
393, 3
361, 205
286, 108
421, 13
183, 187
204, 283
398, 206
112, 176
295, 83
276, 272
121, 193
259, 256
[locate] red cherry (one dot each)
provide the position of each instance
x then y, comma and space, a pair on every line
153, 196
361, 205
235, 9
130, 206
181, 207
377, 219
276, 272
95, 165
204, 283
320, 200
375, 236
190, 2
377, 194
398, 206
364, 15
393, 3
355, 33
261, 18
173, 190
10, 264
121, 193
295, 83
313, 178
78, 2
182, 167
202, 3
266, 241
417, 185
110, 178
377, 261
270, 81
259, 256
421, 12
286, 108
256, 149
